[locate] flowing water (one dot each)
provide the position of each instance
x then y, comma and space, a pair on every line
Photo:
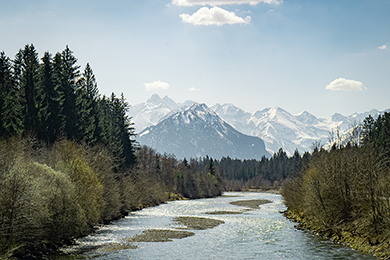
258, 234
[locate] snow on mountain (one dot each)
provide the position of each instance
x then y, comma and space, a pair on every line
277, 127
199, 131
153, 110
280, 129
234, 116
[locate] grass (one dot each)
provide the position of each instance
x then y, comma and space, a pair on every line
253, 204
159, 235
198, 223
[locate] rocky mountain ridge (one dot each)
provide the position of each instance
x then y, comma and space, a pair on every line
198, 131
276, 126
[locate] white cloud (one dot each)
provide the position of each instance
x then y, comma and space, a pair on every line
223, 2
156, 85
383, 47
213, 16
194, 89
346, 85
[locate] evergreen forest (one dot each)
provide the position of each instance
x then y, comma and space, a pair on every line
69, 161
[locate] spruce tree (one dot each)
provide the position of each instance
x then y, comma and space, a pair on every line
87, 95
68, 77
29, 66
10, 106
49, 106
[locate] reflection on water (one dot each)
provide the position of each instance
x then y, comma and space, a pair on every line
257, 234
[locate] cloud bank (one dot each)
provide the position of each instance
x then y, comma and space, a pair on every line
213, 16
222, 2
345, 85
156, 85
193, 89
383, 47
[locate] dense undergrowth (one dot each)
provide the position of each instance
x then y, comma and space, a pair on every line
344, 193
53, 194
54, 190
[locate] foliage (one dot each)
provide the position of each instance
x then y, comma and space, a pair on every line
343, 193
266, 173
51, 99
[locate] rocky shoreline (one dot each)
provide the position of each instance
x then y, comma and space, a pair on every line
347, 236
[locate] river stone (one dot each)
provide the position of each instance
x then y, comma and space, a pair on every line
254, 204
198, 222
115, 247
159, 235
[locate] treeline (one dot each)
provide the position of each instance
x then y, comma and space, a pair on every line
343, 193
266, 174
50, 98
53, 194
197, 178
68, 157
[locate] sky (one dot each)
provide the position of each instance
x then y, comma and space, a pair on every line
322, 56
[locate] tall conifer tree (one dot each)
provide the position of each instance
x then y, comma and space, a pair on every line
29, 66
68, 77
10, 106
49, 106
87, 95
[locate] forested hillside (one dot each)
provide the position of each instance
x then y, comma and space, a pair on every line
343, 193
69, 160
50, 98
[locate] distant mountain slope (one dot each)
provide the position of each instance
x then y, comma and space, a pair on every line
199, 131
153, 110
277, 127
280, 129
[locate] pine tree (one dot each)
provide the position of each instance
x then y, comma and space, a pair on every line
68, 77
10, 106
87, 95
49, 106
29, 66
57, 81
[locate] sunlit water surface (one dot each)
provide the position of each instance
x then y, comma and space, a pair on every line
257, 234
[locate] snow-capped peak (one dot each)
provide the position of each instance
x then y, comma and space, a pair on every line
307, 118
154, 99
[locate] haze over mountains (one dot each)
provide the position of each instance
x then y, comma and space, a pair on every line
276, 126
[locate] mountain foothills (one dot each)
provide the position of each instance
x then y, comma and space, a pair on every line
198, 131
70, 159
275, 126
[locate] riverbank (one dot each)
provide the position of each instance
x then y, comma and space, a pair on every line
347, 234
257, 234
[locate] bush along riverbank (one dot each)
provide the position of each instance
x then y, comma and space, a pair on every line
51, 195
69, 160
343, 193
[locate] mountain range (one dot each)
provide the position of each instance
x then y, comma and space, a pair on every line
198, 131
275, 126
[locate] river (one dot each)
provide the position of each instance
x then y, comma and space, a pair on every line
258, 234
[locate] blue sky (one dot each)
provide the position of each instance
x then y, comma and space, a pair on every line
320, 56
